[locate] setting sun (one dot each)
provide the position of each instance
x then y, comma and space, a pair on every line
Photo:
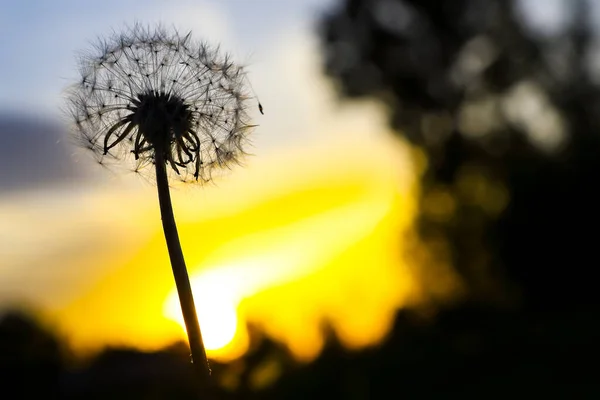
216, 306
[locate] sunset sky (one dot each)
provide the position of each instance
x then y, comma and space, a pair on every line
311, 228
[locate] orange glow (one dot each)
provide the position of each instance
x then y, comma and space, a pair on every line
283, 248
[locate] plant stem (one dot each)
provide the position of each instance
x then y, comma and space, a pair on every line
182, 280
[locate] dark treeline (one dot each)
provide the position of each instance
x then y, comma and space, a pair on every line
467, 351
507, 117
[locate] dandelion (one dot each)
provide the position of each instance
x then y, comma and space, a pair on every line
153, 97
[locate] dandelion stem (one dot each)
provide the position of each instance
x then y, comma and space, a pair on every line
182, 281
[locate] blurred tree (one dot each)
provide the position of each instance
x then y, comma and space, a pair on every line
468, 352
506, 115
118, 373
31, 359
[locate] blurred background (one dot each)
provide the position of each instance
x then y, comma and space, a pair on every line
417, 218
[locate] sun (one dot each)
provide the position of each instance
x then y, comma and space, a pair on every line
216, 308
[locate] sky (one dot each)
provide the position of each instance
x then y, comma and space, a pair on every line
309, 229
45, 38
305, 231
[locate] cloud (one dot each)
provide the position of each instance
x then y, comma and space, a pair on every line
35, 153
56, 243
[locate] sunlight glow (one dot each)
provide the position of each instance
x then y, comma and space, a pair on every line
216, 307
303, 250
298, 252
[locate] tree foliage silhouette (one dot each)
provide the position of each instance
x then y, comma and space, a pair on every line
507, 117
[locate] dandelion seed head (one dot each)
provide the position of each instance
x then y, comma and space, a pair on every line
150, 90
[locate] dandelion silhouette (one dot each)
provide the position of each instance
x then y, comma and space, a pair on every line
154, 97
